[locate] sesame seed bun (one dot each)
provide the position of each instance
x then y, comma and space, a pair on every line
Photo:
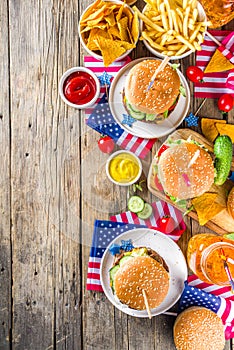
138, 273
198, 328
163, 92
186, 170
230, 202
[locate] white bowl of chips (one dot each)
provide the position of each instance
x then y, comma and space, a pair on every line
176, 31
108, 30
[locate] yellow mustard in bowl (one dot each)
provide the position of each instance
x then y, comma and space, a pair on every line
124, 168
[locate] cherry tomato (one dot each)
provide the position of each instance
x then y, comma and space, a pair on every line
106, 144
225, 103
167, 224
195, 74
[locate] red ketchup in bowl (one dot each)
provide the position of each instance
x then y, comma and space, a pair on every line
79, 88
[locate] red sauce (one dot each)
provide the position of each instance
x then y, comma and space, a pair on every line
79, 88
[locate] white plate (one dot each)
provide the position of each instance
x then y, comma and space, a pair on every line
139, 128
168, 250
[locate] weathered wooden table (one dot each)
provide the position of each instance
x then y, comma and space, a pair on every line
52, 188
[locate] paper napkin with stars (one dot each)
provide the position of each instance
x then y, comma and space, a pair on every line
223, 307
99, 117
104, 232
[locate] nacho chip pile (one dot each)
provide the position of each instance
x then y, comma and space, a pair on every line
109, 29
211, 128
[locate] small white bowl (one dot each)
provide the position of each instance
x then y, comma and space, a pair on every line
93, 53
201, 17
66, 75
131, 155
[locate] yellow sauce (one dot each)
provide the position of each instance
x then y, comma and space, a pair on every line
123, 168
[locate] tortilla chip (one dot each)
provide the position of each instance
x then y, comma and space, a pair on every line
110, 19
91, 9
98, 14
110, 50
206, 207
135, 27
209, 129
226, 129
123, 25
218, 63
94, 34
115, 31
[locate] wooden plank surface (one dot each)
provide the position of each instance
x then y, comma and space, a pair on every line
53, 187
5, 185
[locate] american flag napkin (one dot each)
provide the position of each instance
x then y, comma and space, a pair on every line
104, 232
223, 307
215, 84
100, 118
160, 209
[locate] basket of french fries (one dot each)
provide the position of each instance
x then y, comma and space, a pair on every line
174, 28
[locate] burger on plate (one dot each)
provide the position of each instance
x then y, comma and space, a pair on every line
198, 328
185, 169
154, 104
137, 270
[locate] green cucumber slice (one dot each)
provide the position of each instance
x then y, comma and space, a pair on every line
112, 273
146, 212
136, 204
135, 114
150, 117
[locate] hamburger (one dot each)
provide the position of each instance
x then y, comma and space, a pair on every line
185, 170
198, 328
230, 202
154, 104
140, 269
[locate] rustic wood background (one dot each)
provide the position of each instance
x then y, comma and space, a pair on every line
52, 189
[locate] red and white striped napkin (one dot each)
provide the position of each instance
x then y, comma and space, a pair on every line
160, 209
215, 84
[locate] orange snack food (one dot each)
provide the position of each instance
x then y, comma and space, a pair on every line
205, 257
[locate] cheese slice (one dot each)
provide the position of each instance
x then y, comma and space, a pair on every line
218, 63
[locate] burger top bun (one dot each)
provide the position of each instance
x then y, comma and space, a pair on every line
198, 328
141, 272
186, 170
161, 95
230, 202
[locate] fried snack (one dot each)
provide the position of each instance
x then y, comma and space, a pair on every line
218, 63
209, 128
226, 129
170, 28
109, 29
206, 207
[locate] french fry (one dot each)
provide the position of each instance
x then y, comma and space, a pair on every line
164, 17
195, 33
148, 21
185, 4
185, 22
172, 27
186, 42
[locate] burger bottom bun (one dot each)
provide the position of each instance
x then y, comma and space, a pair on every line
140, 273
198, 328
230, 202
